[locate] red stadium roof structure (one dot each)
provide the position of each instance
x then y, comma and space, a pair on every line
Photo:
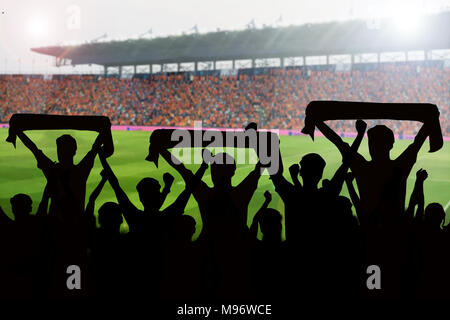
333, 38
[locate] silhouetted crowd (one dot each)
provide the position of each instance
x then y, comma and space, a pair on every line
275, 98
328, 252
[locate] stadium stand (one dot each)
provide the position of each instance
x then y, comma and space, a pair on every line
273, 97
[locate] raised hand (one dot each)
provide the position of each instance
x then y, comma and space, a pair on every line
208, 158
257, 217
361, 126
251, 125
107, 171
421, 175
294, 170
168, 179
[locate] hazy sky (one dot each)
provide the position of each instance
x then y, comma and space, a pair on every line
31, 23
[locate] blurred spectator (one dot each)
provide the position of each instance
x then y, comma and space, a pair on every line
272, 97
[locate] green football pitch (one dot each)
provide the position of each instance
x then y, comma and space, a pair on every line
19, 173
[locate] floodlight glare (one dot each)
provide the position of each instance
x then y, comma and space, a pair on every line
37, 27
407, 20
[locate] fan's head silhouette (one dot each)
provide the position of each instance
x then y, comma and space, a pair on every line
270, 224
149, 193
110, 217
66, 149
434, 216
21, 205
222, 169
381, 140
311, 169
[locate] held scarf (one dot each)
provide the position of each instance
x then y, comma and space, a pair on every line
263, 142
339, 110
22, 122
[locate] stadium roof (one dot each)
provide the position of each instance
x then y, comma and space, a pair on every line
348, 37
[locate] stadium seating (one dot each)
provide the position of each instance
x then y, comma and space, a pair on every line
272, 97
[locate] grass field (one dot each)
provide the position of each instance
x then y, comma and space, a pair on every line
19, 173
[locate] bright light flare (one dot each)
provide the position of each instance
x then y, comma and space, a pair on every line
406, 19
37, 27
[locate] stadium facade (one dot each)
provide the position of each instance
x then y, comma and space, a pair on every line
342, 43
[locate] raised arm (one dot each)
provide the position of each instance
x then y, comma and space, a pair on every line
294, 171
420, 138
285, 190
282, 186
177, 208
88, 160
89, 211
168, 181
28, 143
417, 198
128, 208
43, 161
342, 146
247, 188
43, 205
336, 182
257, 217
186, 174
355, 199
409, 156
